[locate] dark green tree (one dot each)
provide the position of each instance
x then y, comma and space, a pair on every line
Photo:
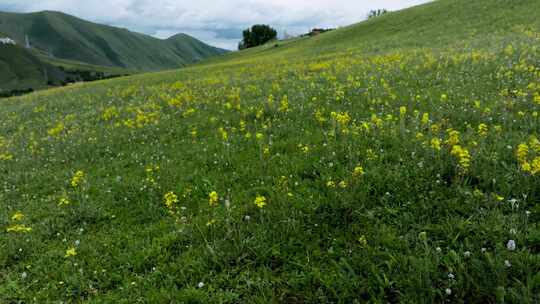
377, 13
257, 35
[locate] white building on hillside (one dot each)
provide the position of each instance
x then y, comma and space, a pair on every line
7, 40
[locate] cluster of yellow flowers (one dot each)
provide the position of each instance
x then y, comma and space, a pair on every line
110, 113
435, 144
57, 130
6, 156
528, 156
223, 133
358, 171
77, 179
151, 176
343, 118
284, 104
260, 201
463, 156
170, 200
16, 225
483, 130
303, 148
64, 201
70, 252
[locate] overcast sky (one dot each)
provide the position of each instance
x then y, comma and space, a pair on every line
217, 22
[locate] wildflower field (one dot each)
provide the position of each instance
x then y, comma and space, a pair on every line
337, 169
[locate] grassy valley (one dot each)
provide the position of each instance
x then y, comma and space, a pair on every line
392, 161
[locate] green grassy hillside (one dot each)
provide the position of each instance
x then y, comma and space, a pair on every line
436, 25
64, 36
23, 70
393, 161
20, 69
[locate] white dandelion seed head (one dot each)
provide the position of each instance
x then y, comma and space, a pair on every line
200, 285
448, 291
511, 245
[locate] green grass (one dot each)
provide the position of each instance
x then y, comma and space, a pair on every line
433, 212
67, 37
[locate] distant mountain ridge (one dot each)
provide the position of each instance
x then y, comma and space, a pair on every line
67, 37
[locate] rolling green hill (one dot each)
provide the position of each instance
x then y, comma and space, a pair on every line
23, 70
436, 25
392, 161
67, 37
20, 69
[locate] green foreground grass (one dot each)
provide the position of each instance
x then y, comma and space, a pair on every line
325, 170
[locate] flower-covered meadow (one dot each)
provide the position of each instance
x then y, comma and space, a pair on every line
348, 176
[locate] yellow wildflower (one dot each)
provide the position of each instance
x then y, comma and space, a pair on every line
537, 98
436, 144
463, 156
482, 130
535, 144
478, 193
19, 228
425, 118
303, 148
77, 178
55, 131
71, 252
320, 116
213, 198
343, 118
284, 105
6, 156
535, 166
260, 201
453, 137
223, 133
18, 216
63, 201
522, 153
363, 241
358, 171
170, 199
402, 111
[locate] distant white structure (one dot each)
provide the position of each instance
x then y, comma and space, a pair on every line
27, 41
7, 40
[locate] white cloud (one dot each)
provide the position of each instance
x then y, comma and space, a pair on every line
213, 21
